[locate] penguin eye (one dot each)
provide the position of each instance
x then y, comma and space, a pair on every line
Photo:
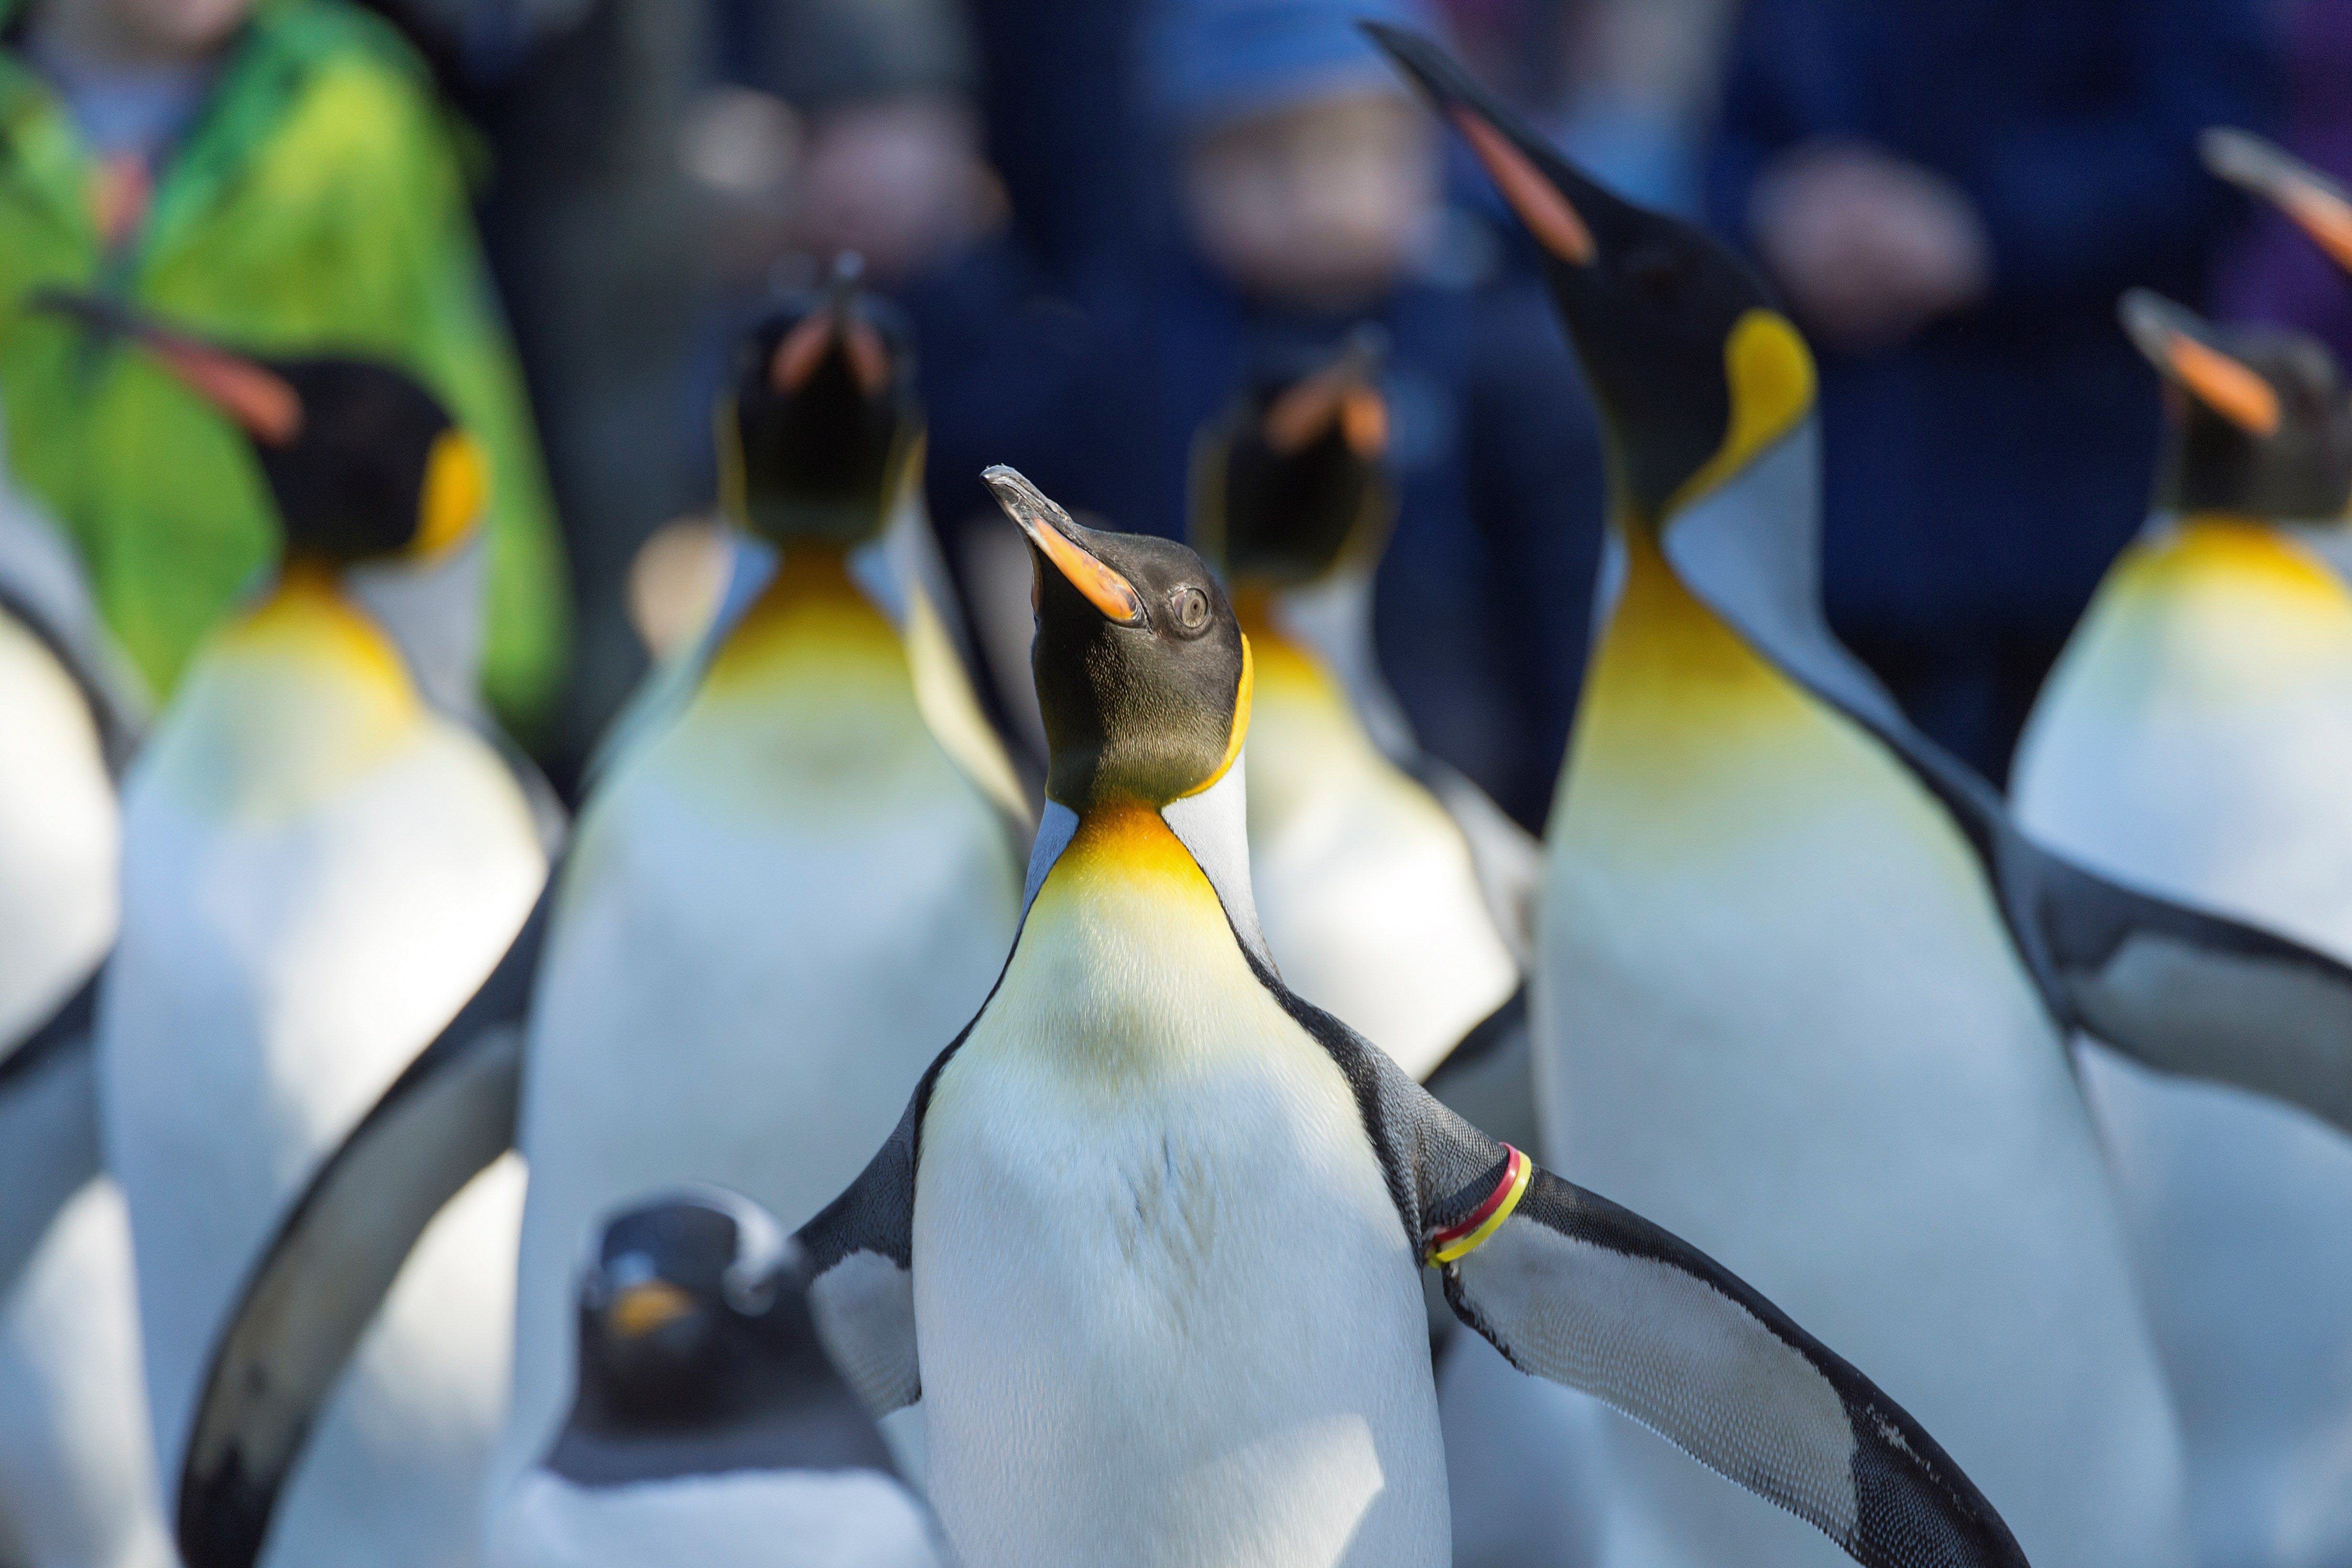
1190, 609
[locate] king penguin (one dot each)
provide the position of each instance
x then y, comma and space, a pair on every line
1370, 890
320, 866
1392, 892
1803, 992
77, 1482
1144, 1241
708, 1428
2195, 738
801, 868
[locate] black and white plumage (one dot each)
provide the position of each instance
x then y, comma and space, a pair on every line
708, 1427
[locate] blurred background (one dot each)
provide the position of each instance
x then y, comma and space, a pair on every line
1097, 213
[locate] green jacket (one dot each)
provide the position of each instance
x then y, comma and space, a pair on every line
316, 204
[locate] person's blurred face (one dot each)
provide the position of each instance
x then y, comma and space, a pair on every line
1323, 203
898, 181
183, 26
135, 30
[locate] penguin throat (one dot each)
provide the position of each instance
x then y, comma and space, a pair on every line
309, 620
2209, 549
812, 620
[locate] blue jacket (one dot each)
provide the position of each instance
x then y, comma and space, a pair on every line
1981, 476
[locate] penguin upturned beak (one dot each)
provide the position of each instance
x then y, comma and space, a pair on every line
1534, 181
2174, 340
1346, 393
638, 1309
2314, 201
260, 400
1052, 535
834, 328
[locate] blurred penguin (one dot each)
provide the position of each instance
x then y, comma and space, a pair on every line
708, 1429
2196, 739
803, 859
321, 862
77, 1479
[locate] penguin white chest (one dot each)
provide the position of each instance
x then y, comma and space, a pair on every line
1166, 1310
60, 835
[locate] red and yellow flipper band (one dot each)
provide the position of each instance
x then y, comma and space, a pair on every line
1459, 1241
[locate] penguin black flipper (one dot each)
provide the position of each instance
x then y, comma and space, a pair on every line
1488, 1079
48, 1124
1572, 1287
318, 1285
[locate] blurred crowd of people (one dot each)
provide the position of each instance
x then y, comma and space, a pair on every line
1098, 218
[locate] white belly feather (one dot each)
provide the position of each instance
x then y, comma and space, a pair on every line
59, 835
2197, 740
1366, 889
793, 1518
780, 912
299, 921
1166, 1311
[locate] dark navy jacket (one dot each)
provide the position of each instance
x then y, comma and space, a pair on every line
1981, 476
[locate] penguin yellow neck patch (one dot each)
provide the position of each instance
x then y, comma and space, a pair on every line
1473, 1230
308, 618
812, 614
2213, 546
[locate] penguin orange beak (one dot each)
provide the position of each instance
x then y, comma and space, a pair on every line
1344, 395
263, 403
1051, 532
1533, 195
2170, 337
638, 1309
806, 345
2317, 204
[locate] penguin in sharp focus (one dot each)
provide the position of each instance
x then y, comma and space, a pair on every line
2195, 738
708, 1428
1144, 1242
801, 865
1370, 890
1802, 990
321, 862
76, 1481
1392, 892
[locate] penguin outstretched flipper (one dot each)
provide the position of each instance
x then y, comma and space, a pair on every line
316, 1289
48, 1125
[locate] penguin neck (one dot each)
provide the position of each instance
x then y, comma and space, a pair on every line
2233, 551
811, 630
1118, 856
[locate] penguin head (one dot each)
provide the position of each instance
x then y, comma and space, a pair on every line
1289, 480
1693, 366
819, 431
1143, 675
673, 1308
2261, 424
2318, 204
364, 463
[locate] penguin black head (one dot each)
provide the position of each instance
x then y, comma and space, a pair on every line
698, 1351
2320, 206
2261, 424
671, 1312
1143, 675
819, 432
1289, 480
1693, 367
362, 462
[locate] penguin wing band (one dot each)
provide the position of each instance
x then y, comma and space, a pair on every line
1572, 1287
2194, 993
311, 1298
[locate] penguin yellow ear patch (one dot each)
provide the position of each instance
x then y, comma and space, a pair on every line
1770, 372
456, 489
